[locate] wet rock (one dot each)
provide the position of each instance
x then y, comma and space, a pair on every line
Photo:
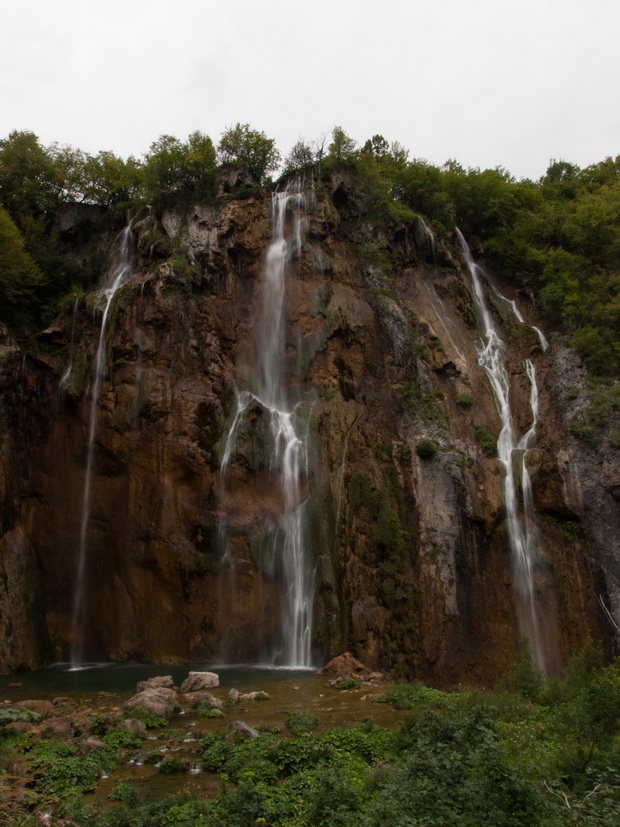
243, 729
152, 683
254, 696
233, 694
42, 707
21, 726
89, 745
196, 681
133, 727
65, 725
346, 666
195, 699
159, 701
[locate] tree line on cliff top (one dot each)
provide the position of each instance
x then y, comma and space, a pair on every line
558, 236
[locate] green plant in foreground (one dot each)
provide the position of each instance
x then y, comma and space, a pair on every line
299, 722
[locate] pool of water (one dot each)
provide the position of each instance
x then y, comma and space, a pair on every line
121, 679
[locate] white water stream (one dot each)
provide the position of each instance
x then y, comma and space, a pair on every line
119, 275
522, 532
288, 436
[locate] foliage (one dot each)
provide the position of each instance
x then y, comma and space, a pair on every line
176, 172
20, 277
240, 144
124, 791
172, 763
149, 720
299, 722
426, 449
486, 440
543, 757
346, 683
11, 715
559, 236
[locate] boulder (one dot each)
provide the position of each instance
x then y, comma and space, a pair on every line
346, 666
133, 727
197, 681
196, 699
164, 681
65, 725
243, 729
91, 744
42, 707
158, 700
254, 696
233, 694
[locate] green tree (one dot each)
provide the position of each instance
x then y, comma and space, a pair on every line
29, 179
240, 144
301, 158
19, 275
342, 148
110, 181
175, 172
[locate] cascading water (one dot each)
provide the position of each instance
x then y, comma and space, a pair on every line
287, 434
119, 275
64, 381
521, 526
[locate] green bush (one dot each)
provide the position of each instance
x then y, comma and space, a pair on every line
172, 763
299, 722
486, 440
125, 792
426, 449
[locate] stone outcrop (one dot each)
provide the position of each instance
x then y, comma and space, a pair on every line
197, 681
413, 571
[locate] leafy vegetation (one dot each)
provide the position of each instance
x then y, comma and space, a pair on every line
535, 753
558, 237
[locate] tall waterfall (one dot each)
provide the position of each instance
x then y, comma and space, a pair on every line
288, 460
119, 275
521, 525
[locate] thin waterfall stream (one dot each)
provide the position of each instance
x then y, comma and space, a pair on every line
119, 275
521, 526
288, 438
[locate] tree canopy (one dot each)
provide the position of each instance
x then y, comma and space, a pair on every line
560, 236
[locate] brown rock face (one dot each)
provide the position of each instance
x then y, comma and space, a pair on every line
410, 551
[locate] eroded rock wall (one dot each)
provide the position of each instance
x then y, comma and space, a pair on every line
413, 568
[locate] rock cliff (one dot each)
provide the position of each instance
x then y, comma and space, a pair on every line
405, 510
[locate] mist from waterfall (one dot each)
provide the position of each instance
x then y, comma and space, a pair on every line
288, 459
521, 527
120, 273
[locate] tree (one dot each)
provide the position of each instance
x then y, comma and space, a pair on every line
300, 158
29, 179
241, 145
342, 148
110, 181
19, 275
176, 172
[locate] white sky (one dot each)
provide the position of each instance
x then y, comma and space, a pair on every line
490, 83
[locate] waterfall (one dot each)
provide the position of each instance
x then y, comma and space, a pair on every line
425, 237
288, 461
119, 275
64, 381
521, 526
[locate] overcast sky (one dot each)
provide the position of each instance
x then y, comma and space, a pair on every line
487, 82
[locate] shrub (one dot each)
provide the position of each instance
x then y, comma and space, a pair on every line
426, 449
486, 441
172, 763
346, 683
299, 722
124, 792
